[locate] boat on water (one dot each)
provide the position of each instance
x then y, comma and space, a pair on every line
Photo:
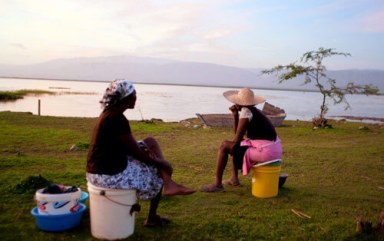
274, 113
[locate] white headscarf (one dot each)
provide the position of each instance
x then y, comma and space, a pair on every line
116, 91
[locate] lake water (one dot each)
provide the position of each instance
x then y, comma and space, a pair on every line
173, 102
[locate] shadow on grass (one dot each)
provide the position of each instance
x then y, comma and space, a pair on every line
366, 237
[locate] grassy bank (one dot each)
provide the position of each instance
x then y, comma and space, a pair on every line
19, 94
334, 176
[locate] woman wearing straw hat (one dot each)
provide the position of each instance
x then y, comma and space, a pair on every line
116, 160
262, 143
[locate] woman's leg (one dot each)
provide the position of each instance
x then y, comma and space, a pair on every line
153, 208
154, 220
235, 175
171, 188
226, 148
154, 146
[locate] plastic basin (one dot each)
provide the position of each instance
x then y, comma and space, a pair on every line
58, 222
84, 197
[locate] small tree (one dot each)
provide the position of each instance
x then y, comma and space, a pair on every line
315, 71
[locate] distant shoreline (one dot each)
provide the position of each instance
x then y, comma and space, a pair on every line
176, 84
360, 118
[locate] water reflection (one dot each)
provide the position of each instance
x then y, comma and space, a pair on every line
170, 102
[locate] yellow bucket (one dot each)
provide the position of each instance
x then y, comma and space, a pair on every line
265, 181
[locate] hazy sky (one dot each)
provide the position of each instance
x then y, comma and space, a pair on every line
242, 33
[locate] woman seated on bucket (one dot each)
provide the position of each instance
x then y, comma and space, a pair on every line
116, 160
262, 143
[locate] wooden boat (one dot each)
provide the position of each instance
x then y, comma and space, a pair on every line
275, 114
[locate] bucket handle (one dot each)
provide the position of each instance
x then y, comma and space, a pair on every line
134, 208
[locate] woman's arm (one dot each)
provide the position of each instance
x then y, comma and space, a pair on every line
241, 129
130, 143
235, 114
240, 124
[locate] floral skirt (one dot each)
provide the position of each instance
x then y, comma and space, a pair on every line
138, 175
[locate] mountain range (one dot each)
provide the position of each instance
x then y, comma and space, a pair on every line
164, 71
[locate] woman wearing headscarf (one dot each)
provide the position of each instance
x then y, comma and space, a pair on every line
116, 160
260, 145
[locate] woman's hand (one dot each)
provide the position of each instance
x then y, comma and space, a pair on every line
234, 109
162, 163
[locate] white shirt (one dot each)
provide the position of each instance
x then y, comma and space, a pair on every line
246, 113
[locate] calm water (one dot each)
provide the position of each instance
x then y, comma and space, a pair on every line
171, 102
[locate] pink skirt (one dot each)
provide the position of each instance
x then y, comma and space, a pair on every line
260, 151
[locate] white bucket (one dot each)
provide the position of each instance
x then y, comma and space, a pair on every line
60, 203
110, 211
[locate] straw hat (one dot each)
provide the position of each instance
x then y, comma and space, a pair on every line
243, 97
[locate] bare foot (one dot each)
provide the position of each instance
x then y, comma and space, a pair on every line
232, 182
173, 189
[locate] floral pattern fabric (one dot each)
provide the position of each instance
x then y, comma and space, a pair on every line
138, 175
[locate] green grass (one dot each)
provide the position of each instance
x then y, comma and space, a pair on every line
334, 176
19, 94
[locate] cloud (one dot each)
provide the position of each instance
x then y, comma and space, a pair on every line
218, 33
372, 22
241, 32
18, 45
87, 28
